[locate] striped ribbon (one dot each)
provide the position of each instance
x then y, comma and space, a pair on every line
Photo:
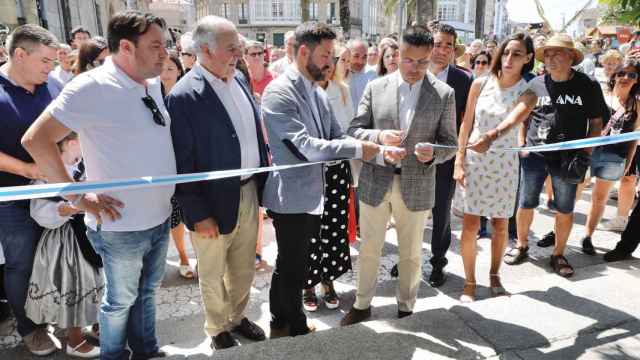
51, 190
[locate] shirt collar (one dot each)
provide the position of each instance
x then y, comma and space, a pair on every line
444, 74
111, 67
214, 80
402, 83
309, 85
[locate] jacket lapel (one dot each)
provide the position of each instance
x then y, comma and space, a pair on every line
204, 92
426, 98
298, 83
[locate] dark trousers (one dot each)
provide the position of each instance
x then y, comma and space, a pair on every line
441, 234
19, 235
293, 235
631, 236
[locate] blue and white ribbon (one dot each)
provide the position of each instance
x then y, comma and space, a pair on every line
566, 145
51, 190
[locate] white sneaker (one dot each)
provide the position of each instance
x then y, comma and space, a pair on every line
93, 353
618, 224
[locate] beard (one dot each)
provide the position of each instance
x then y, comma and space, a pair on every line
318, 74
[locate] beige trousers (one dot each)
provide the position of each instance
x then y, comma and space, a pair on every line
410, 229
226, 266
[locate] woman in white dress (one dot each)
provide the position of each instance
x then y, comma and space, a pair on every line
498, 103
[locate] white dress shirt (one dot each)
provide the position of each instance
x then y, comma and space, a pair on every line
61, 75
443, 75
240, 112
407, 99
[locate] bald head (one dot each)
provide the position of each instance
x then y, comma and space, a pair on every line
358, 50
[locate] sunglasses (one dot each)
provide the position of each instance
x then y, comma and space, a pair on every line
628, 75
255, 54
186, 54
155, 111
481, 62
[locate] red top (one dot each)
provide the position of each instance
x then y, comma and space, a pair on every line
258, 86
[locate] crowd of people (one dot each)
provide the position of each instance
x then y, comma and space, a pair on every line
125, 106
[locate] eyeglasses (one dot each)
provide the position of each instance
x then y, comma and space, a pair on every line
628, 75
420, 64
255, 54
482, 62
155, 111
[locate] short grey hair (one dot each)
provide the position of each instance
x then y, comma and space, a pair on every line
65, 47
207, 30
355, 42
186, 43
28, 36
289, 34
253, 43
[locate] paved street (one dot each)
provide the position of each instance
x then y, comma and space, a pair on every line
594, 315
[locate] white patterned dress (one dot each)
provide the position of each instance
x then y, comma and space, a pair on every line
492, 177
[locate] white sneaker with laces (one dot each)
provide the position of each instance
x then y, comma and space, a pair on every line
618, 223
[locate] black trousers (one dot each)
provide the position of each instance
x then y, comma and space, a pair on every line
293, 235
441, 234
631, 235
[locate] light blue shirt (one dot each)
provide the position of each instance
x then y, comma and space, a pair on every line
357, 83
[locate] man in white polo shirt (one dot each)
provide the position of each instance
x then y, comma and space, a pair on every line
123, 128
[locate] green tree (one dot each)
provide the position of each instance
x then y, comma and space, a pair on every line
625, 11
421, 11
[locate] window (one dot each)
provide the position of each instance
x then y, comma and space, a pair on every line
224, 10
313, 10
447, 10
242, 13
331, 12
276, 8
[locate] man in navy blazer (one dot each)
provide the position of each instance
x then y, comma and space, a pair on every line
444, 47
216, 126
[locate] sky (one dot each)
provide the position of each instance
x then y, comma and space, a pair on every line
525, 10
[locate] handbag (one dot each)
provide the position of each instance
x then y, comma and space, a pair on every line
574, 166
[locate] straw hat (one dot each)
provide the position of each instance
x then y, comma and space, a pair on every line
563, 41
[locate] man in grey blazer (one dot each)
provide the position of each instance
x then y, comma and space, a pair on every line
409, 109
301, 128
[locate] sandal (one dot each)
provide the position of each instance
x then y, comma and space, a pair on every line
186, 272
516, 255
310, 300
329, 295
561, 266
497, 290
468, 293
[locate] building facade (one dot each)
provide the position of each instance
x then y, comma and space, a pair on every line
269, 20
61, 16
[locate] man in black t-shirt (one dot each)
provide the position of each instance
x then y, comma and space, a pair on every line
570, 106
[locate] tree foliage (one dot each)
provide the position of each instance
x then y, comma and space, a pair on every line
624, 11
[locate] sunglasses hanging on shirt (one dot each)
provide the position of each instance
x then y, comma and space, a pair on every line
155, 111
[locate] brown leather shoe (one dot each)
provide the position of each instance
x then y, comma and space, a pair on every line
355, 316
279, 332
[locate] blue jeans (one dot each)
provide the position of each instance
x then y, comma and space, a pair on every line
19, 235
607, 165
533, 172
133, 267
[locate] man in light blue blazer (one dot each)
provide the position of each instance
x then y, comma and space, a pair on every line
301, 128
